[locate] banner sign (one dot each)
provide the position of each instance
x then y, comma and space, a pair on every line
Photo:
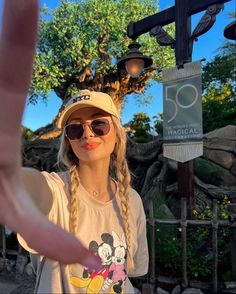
182, 112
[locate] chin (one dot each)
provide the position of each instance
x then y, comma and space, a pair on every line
93, 157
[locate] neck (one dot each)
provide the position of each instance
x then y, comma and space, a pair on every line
95, 179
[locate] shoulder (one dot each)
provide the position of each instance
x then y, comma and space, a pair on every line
60, 179
134, 195
136, 201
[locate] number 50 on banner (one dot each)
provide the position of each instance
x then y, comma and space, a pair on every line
182, 112
185, 97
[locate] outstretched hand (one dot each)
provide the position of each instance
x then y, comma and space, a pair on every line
17, 211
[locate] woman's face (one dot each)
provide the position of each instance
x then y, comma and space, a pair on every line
91, 147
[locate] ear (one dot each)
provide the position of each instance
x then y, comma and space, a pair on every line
93, 245
107, 238
123, 237
115, 236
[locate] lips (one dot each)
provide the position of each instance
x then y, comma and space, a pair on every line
90, 146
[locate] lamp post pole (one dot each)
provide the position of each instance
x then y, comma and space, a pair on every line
181, 14
183, 54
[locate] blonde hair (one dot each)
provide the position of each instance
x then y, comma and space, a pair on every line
118, 169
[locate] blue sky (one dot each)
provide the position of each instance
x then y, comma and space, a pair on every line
206, 47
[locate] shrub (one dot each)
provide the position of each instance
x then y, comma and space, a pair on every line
199, 248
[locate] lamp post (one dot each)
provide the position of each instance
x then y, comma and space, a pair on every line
134, 61
181, 14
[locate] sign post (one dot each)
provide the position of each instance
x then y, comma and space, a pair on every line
182, 111
182, 126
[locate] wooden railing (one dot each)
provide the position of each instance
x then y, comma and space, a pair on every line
183, 223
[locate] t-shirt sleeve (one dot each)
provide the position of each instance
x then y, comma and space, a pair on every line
52, 181
141, 256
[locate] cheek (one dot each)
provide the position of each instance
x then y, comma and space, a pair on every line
112, 136
107, 147
111, 142
75, 148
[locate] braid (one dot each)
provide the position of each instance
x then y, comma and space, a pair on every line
68, 158
123, 178
74, 198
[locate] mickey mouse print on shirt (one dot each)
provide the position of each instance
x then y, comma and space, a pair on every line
110, 278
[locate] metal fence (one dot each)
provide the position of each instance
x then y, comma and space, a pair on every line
183, 222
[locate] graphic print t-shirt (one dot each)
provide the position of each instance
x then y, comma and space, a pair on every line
100, 227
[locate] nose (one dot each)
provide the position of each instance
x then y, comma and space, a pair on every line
87, 132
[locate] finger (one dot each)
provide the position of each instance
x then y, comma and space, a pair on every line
19, 35
55, 243
19, 213
17, 47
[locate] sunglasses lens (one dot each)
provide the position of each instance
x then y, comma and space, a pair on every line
100, 127
74, 131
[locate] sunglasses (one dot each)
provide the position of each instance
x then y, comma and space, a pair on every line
100, 127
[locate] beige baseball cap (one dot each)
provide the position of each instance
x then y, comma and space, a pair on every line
86, 98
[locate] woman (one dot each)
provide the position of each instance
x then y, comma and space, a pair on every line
92, 200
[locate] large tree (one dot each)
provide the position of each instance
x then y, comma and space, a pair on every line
80, 42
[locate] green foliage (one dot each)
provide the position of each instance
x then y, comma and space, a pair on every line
221, 69
158, 123
168, 248
199, 248
141, 127
207, 213
223, 236
27, 134
142, 100
169, 252
219, 89
140, 124
80, 41
219, 107
199, 253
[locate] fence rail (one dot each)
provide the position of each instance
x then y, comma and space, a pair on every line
184, 222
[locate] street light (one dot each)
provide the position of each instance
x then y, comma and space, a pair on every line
180, 14
134, 61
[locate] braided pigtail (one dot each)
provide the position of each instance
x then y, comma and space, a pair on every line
68, 158
74, 175
122, 175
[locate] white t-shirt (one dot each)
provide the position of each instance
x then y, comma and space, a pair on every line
100, 227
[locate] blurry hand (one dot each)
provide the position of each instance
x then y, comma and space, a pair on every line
17, 211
